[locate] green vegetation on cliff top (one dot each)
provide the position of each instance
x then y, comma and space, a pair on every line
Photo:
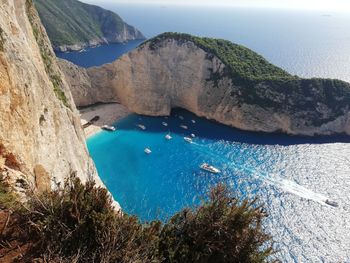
258, 82
243, 63
70, 22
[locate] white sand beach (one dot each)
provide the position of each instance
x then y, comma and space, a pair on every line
108, 114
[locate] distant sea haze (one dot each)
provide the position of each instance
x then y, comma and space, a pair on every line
306, 43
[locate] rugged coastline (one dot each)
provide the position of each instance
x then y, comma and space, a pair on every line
218, 80
73, 25
53, 211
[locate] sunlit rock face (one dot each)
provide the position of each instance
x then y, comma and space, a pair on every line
153, 80
39, 123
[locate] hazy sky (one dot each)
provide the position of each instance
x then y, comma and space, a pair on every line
330, 5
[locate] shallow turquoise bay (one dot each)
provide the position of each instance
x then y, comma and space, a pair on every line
291, 176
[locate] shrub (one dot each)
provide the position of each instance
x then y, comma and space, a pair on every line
244, 65
256, 81
2, 40
7, 198
220, 230
46, 54
77, 223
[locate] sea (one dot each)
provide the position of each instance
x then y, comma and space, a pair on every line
291, 176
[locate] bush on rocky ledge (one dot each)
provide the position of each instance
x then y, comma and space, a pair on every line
77, 223
7, 198
2, 40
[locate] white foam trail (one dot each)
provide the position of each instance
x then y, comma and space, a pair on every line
297, 189
282, 183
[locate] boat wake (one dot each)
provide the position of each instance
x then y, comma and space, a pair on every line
295, 188
284, 184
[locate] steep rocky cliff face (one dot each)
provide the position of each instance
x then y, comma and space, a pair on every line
239, 89
73, 25
40, 132
80, 82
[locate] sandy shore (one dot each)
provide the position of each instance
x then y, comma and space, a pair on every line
108, 113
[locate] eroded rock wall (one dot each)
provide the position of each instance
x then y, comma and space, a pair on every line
152, 81
39, 123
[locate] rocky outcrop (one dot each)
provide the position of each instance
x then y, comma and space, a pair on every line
80, 83
172, 72
39, 125
73, 25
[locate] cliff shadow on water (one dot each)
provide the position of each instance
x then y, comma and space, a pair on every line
213, 130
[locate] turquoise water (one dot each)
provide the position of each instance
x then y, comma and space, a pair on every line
291, 176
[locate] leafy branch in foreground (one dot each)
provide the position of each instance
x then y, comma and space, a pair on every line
77, 223
220, 230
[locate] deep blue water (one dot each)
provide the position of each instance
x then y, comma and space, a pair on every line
292, 176
307, 43
97, 56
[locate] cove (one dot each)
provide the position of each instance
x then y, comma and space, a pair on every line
289, 175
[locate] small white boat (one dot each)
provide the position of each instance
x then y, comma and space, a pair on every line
108, 128
168, 137
331, 203
192, 135
188, 139
164, 124
183, 126
193, 121
181, 117
147, 150
142, 127
209, 168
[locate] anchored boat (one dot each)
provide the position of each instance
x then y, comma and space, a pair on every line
142, 127
108, 128
164, 124
181, 117
147, 150
209, 168
188, 139
183, 126
331, 203
168, 137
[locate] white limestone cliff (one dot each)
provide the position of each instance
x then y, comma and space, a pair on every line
40, 129
177, 74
